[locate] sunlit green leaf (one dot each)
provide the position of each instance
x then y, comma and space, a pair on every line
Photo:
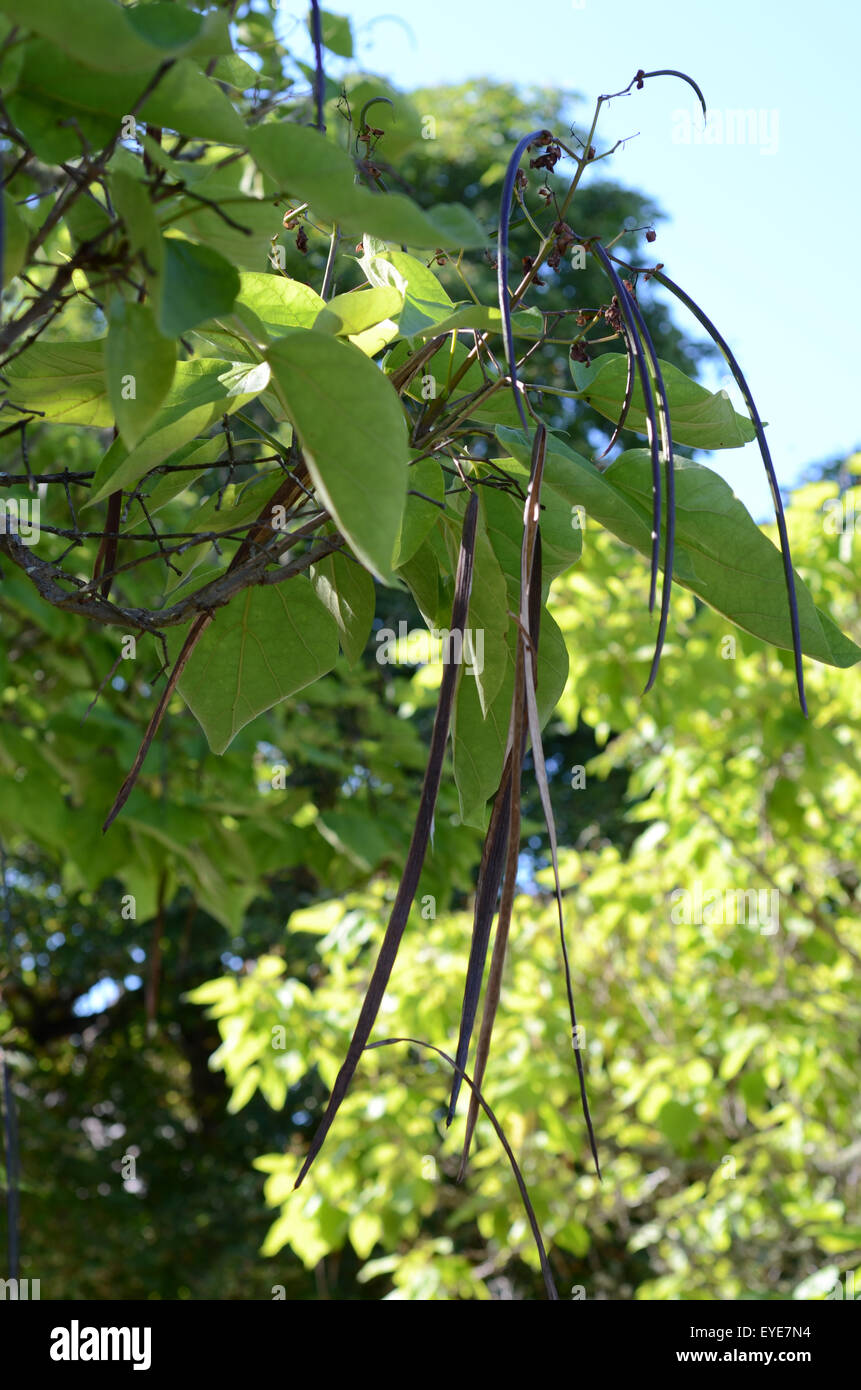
703, 419
721, 554
353, 434
64, 382
347, 590
314, 169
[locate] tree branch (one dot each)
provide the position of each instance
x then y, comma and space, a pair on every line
47, 579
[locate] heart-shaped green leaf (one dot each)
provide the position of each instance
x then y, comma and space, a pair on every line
270, 642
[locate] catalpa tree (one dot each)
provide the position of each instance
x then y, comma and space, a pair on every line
279, 443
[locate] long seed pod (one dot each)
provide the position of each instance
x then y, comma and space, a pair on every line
532, 707
629, 395
503, 925
625, 303
667, 445
546, 1271
504, 825
779, 513
670, 485
529, 620
418, 845
486, 894
544, 792
546, 805
493, 854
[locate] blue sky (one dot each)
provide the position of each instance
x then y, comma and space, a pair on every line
749, 221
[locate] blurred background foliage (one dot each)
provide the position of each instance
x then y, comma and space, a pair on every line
177, 995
